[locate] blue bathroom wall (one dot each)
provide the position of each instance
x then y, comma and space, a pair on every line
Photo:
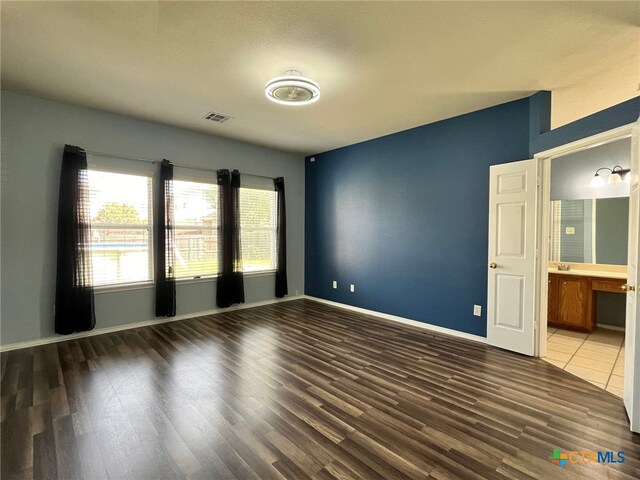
404, 217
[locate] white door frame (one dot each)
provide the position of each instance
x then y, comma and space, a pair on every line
543, 239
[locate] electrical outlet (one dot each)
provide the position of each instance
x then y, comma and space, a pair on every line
297, 293
477, 310
312, 159
335, 284
352, 288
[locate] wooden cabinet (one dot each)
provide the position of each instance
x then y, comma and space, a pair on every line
572, 300
608, 285
571, 303
574, 305
552, 303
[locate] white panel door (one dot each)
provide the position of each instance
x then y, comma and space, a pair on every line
512, 262
632, 329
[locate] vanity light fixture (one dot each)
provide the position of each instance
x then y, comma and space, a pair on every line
617, 175
292, 89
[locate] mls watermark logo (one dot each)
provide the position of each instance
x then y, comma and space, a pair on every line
558, 458
603, 456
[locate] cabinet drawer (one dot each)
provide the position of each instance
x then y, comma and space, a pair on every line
607, 285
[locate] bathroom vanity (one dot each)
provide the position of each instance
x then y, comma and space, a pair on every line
572, 293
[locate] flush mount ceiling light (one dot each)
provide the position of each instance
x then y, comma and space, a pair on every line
292, 89
617, 174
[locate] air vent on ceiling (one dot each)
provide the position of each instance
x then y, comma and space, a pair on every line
217, 117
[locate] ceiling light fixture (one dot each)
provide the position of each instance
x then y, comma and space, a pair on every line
292, 89
617, 174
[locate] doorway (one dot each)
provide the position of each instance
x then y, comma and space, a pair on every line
587, 263
520, 245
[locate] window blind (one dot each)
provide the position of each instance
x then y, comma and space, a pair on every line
258, 222
120, 212
196, 228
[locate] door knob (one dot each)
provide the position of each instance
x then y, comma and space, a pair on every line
493, 265
628, 288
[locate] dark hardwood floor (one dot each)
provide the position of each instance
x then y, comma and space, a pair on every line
298, 390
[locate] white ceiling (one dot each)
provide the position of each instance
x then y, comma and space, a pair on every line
382, 66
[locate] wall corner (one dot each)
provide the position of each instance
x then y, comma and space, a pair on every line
539, 116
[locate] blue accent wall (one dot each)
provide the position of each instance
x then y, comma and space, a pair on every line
622, 114
404, 217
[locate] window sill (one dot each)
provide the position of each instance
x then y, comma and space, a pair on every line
211, 278
260, 273
186, 281
125, 287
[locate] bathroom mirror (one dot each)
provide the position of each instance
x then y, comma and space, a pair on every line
590, 230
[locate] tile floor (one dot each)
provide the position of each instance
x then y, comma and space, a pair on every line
597, 357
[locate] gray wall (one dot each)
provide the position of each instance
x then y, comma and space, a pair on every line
612, 230
34, 132
611, 308
571, 175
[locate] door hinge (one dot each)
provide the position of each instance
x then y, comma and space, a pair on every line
538, 181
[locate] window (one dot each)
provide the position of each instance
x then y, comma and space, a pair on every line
120, 209
121, 225
258, 223
196, 228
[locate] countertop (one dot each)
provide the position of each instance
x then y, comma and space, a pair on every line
617, 272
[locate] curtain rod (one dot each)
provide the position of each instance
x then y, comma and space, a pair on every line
181, 165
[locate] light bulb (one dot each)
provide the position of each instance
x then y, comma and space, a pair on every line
614, 179
597, 181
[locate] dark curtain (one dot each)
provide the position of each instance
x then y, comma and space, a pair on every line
165, 241
230, 284
281, 267
74, 309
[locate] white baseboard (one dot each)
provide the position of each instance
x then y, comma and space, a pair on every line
145, 323
610, 327
406, 321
